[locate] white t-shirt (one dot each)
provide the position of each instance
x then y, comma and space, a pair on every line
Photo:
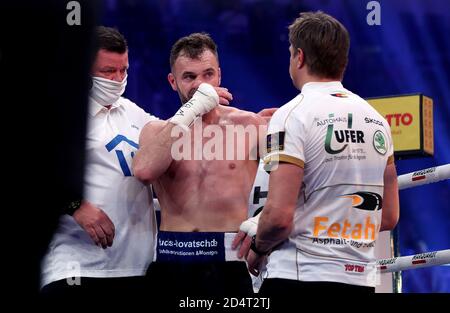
112, 139
344, 145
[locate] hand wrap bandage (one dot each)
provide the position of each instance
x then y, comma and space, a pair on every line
204, 100
250, 226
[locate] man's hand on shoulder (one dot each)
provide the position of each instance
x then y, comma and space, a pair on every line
266, 114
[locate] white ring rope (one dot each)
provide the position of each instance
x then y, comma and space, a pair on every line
425, 176
442, 257
414, 261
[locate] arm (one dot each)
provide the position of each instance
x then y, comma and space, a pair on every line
391, 210
154, 155
276, 221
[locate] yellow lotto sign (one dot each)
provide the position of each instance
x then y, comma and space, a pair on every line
411, 121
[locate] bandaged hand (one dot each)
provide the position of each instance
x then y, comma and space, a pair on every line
204, 100
244, 237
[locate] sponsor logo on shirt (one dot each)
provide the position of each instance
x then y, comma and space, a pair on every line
363, 200
354, 268
379, 142
345, 230
275, 142
339, 95
113, 145
369, 120
342, 136
330, 120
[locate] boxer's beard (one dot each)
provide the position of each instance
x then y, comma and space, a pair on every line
186, 98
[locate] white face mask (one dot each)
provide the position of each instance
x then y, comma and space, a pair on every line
106, 91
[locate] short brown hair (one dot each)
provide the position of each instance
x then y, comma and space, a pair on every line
324, 41
193, 46
110, 39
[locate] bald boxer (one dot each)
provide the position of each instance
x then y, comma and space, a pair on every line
333, 182
203, 201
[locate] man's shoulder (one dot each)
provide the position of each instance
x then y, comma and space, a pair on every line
227, 110
133, 108
239, 116
129, 105
155, 125
287, 109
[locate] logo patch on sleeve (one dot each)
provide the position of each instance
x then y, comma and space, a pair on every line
379, 142
275, 142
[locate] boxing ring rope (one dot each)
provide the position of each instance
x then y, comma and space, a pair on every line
425, 176
403, 263
434, 258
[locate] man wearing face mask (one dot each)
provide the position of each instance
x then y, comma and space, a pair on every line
105, 242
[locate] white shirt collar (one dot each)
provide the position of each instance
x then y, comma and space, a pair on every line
95, 107
322, 85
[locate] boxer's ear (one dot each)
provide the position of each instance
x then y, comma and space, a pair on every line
172, 82
300, 58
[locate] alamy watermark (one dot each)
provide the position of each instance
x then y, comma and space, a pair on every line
216, 142
74, 269
74, 16
374, 16
209, 142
